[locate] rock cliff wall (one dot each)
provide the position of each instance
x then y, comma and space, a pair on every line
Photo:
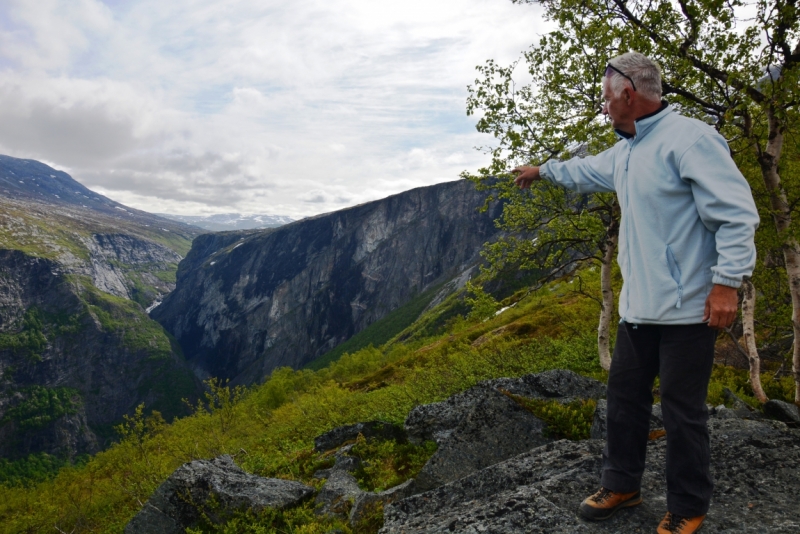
74, 359
248, 302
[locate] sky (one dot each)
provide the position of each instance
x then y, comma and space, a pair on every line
286, 107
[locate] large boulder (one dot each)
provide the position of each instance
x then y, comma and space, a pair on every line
557, 384
754, 464
438, 420
180, 500
494, 428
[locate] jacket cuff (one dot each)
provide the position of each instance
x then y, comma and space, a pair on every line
723, 281
544, 173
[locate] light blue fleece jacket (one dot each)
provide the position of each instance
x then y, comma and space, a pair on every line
688, 216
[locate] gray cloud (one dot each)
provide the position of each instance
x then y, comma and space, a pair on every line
302, 107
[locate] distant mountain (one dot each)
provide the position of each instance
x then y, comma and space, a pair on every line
230, 221
77, 349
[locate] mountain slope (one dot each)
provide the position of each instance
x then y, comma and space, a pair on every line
248, 302
77, 350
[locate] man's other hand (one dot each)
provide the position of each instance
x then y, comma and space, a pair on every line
722, 305
525, 176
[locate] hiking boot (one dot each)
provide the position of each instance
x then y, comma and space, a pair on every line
605, 502
677, 524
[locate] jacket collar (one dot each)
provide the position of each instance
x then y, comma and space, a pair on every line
646, 122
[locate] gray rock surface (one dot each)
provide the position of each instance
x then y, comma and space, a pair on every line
754, 463
555, 384
438, 420
370, 430
248, 302
176, 503
366, 499
782, 411
338, 494
494, 428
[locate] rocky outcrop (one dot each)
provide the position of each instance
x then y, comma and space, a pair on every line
783, 411
754, 464
127, 266
248, 302
214, 489
494, 428
437, 421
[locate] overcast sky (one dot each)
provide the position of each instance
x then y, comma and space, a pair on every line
289, 107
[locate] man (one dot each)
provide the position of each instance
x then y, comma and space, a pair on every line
685, 243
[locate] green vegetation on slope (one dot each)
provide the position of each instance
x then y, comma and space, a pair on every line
269, 429
38, 327
41, 405
381, 331
127, 319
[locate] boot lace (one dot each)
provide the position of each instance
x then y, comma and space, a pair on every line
601, 496
676, 523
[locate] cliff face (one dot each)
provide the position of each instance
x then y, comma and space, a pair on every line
248, 302
74, 359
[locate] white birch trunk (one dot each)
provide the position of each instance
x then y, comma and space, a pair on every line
782, 217
607, 305
748, 322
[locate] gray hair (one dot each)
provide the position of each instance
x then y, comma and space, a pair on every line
645, 73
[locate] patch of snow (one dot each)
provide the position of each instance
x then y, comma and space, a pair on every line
117, 207
237, 246
212, 263
52, 176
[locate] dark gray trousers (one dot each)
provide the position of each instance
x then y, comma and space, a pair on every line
682, 356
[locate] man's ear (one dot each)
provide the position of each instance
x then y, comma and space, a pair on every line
628, 95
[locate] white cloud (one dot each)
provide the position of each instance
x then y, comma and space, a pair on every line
284, 107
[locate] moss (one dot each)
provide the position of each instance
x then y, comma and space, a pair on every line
386, 464
571, 421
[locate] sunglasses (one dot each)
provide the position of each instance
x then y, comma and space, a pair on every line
610, 69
